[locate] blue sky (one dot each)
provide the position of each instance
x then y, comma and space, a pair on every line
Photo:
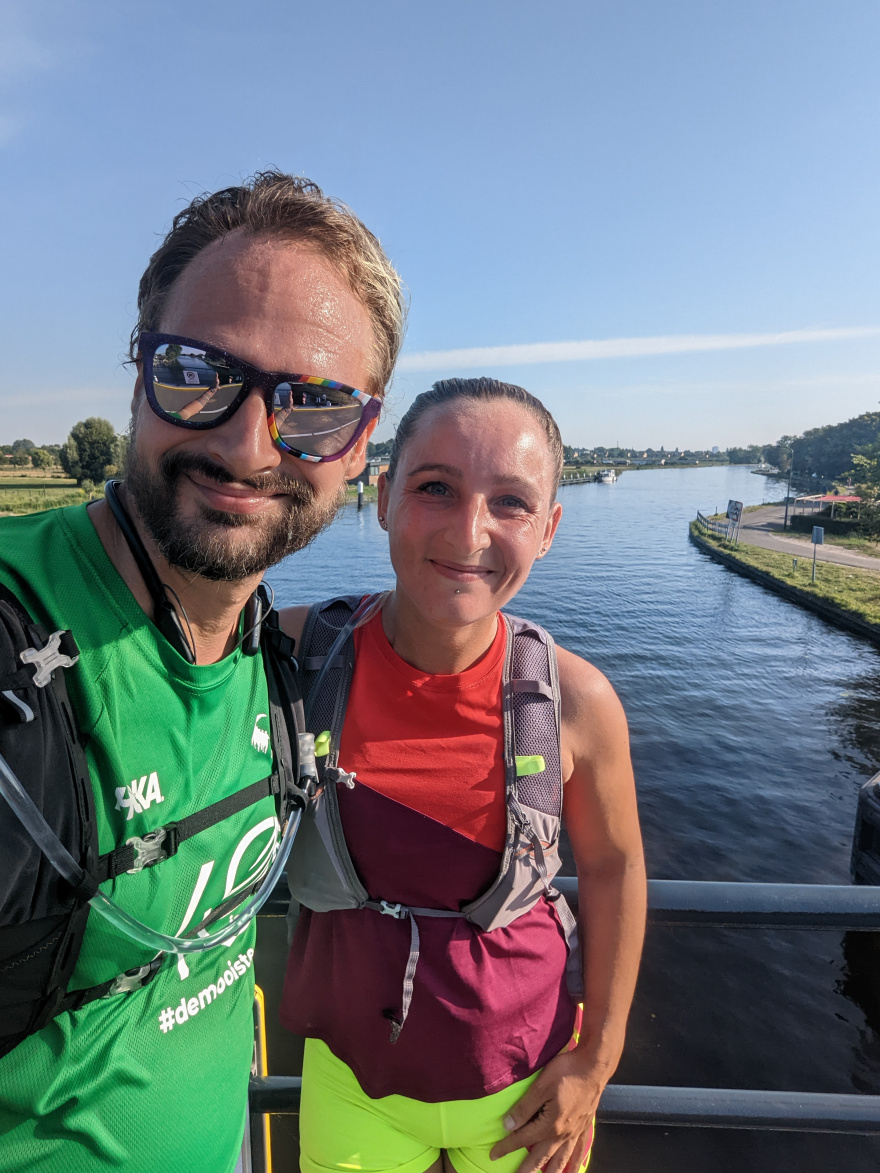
662, 218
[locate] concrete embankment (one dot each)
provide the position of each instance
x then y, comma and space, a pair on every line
804, 598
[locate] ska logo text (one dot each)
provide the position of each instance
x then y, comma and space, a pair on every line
136, 797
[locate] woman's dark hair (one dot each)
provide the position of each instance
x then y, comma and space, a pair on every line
481, 390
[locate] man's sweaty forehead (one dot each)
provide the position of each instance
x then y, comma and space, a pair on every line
279, 304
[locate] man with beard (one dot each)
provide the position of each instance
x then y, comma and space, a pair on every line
269, 323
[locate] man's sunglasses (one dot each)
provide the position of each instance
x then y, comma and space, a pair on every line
195, 385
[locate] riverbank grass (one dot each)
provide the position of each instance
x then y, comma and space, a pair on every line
17, 499
848, 587
371, 493
36, 500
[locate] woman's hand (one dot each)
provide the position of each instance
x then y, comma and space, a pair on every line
554, 1119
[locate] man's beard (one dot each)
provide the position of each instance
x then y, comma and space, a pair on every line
202, 543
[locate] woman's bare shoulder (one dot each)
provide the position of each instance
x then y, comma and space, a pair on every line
292, 620
594, 727
585, 690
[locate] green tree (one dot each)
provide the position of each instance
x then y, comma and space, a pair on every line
68, 458
23, 445
120, 455
828, 452
40, 458
754, 454
21, 458
378, 451
866, 470
90, 448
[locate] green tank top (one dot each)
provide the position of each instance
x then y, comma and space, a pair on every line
156, 1079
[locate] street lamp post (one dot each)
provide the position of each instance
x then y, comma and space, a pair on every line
788, 494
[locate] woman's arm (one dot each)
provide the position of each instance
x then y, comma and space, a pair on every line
554, 1117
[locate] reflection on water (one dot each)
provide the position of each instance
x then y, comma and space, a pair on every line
753, 725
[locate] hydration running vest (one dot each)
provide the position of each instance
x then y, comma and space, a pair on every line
320, 872
43, 916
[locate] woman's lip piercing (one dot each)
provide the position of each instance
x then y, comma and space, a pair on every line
458, 592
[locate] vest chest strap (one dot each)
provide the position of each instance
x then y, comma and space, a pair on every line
401, 912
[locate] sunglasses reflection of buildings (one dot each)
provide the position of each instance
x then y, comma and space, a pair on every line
286, 396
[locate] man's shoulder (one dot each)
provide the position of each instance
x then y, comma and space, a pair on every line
19, 534
35, 555
19, 525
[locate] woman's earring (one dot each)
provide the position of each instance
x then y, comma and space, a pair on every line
382, 522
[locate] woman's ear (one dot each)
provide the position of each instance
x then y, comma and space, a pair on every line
550, 528
384, 486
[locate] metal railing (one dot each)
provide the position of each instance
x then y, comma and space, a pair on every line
720, 905
721, 528
682, 1107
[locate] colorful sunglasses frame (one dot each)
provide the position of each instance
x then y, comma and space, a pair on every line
148, 342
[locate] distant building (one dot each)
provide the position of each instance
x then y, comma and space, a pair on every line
369, 474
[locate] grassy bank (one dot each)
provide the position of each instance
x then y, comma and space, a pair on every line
36, 479
847, 587
21, 500
371, 493
16, 497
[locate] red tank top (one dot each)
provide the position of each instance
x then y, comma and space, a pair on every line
425, 825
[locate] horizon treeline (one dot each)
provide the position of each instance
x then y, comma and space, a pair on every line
93, 450
831, 452
91, 453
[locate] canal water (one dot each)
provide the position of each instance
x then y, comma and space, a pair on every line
753, 725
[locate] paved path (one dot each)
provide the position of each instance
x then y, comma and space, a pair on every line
763, 527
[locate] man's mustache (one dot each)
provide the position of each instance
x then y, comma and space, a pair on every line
174, 465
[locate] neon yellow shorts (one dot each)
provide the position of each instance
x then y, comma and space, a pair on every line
341, 1128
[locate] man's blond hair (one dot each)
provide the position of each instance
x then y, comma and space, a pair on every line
288, 207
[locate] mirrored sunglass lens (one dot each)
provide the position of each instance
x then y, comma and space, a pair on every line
193, 384
316, 420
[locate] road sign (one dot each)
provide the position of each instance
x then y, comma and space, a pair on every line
818, 540
734, 513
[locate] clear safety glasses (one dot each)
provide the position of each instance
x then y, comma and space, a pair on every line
195, 385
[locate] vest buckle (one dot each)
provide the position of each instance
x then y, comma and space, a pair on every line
147, 850
47, 659
398, 911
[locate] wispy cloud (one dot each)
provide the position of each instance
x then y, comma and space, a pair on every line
539, 353
765, 388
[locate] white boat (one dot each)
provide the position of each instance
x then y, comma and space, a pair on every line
607, 476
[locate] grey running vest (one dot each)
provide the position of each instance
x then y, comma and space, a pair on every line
320, 871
